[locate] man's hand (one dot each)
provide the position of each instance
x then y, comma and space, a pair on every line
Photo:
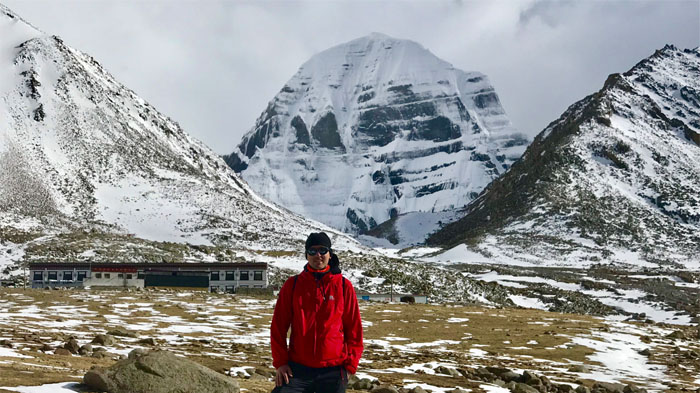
283, 375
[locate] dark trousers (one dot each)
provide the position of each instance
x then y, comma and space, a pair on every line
315, 380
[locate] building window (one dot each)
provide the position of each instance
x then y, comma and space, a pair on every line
120, 275
129, 276
230, 276
38, 276
214, 289
214, 276
67, 276
141, 276
108, 275
244, 276
229, 289
257, 275
53, 275
81, 276
98, 275
244, 286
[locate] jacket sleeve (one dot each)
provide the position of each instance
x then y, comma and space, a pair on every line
281, 321
352, 329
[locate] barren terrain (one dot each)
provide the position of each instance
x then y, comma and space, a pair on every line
436, 347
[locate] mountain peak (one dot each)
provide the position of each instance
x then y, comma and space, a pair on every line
386, 127
613, 179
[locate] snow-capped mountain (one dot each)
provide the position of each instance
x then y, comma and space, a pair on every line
89, 170
615, 178
374, 128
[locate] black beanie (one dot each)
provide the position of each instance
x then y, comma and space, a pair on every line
318, 239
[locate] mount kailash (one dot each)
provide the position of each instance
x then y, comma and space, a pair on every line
375, 128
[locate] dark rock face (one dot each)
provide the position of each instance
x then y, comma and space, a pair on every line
301, 131
158, 372
437, 129
325, 131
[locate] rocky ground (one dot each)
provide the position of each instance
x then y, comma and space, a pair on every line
56, 336
622, 292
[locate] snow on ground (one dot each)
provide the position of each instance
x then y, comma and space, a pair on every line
618, 352
141, 208
11, 353
61, 387
494, 389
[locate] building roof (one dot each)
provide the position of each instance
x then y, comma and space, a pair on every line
147, 266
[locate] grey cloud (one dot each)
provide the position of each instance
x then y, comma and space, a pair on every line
214, 65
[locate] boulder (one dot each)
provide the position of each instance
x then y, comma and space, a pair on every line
148, 341
137, 353
564, 388
510, 376
518, 387
257, 377
384, 389
72, 345
608, 387
158, 372
417, 389
85, 350
484, 374
579, 368
352, 380
265, 372
104, 339
633, 389
364, 384
447, 371
122, 332
582, 389
62, 352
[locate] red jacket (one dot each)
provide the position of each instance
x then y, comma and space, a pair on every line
326, 326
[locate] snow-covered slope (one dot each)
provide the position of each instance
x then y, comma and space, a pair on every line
615, 178
373, 128
89, 170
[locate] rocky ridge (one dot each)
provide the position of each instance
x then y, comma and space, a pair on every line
89, 170
612, 180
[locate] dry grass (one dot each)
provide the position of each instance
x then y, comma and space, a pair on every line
506, 336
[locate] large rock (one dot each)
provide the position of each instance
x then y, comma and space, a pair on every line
72, 345
517, 387
384, 389
158, 372
122, 332
104, 339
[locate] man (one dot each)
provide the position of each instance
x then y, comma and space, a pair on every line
321, 307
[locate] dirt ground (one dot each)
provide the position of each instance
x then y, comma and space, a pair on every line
404, 343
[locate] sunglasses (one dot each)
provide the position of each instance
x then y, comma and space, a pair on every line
320, 250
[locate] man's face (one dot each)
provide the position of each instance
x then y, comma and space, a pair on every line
318, 261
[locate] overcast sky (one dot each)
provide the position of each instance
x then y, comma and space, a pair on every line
214, 65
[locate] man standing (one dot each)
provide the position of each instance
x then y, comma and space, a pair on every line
321, 307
